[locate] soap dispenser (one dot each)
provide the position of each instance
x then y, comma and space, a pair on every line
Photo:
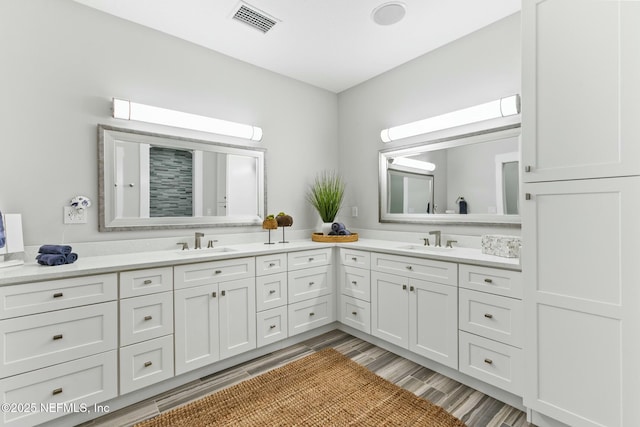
462, 203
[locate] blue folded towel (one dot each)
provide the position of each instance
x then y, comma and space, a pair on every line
3, 238
332, 233
337, 226
344, 233
71, 258
51, 259
55, 249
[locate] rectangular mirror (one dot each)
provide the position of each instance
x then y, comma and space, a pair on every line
426, 182
155, 181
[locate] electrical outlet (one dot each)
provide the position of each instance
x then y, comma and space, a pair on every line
74, 216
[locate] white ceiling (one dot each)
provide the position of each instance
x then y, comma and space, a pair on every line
332, 44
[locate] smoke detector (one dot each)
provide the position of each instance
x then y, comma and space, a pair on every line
389, 13
254, 17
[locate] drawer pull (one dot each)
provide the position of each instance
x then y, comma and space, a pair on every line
312, 314
272, 264
310, 259
354, 259
488, 361
411, 288
57, 337
353, 282
272, 291
57, 391
147, 364
217, 272
355, 313
488, 315
223, 293
488, 281
214, 294
57, 295
404, 287
409, 267
311, 283
272, 327
148, 317
148, 282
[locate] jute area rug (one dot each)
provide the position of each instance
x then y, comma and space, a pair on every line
322, 389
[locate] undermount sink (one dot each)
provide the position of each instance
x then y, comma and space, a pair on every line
423, 248
218, 249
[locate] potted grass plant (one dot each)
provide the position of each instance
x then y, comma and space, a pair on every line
326, 195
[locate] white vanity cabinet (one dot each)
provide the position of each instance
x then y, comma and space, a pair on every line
491, 326
310, 289
146, 327
354, 280
215, 311
271, 298
581, 236
414, 304
58, 345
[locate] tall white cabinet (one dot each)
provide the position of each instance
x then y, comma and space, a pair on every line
581, 227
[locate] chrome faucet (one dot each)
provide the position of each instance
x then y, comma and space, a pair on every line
438, 238
198, 241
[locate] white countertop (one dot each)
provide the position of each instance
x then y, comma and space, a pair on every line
30, 272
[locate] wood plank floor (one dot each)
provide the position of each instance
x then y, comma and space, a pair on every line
469, 405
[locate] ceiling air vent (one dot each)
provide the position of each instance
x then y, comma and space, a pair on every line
251, 16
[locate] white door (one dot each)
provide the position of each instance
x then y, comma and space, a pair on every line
196, 327
580, 89
433, 321
580, 255
237, 317
389, 308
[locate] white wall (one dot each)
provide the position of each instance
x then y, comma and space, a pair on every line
478, 68
62, 63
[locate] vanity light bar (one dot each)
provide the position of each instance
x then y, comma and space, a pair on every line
127, 110
502, 107
412, 163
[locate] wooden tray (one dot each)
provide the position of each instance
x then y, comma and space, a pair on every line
319, 237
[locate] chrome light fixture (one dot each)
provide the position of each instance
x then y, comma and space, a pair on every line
127, 110
502, 107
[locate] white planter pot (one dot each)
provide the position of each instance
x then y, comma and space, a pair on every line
326, 228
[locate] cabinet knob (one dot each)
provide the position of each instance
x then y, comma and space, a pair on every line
272, 264
148, 317
488, 315
488, 281
312, 314
353, 282
214, 294
527, 196
409, 267
404, 287
527, 168
223, 293
411, 288
272, 291
355, 313
354, 259
57, 337
217, 272
310, 259
57, 295
311, 283
272, 327
148, 282
488, 361
147, 364
57, 391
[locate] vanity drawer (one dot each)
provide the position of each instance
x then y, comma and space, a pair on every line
306, 259
355, 258
85, 381
272, 325
493, 280
206, 273
307, 315
271, 291
31, 342
418, 268
145, 282
309, 283
146, 363
40, 297
356, 313
492, 362
146, 317
355, 282
271, 264
496, 317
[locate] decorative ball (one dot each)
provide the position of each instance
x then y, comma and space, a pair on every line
284, 220
270, 223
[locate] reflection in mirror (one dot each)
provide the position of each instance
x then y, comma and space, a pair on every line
160, 181
424, 183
